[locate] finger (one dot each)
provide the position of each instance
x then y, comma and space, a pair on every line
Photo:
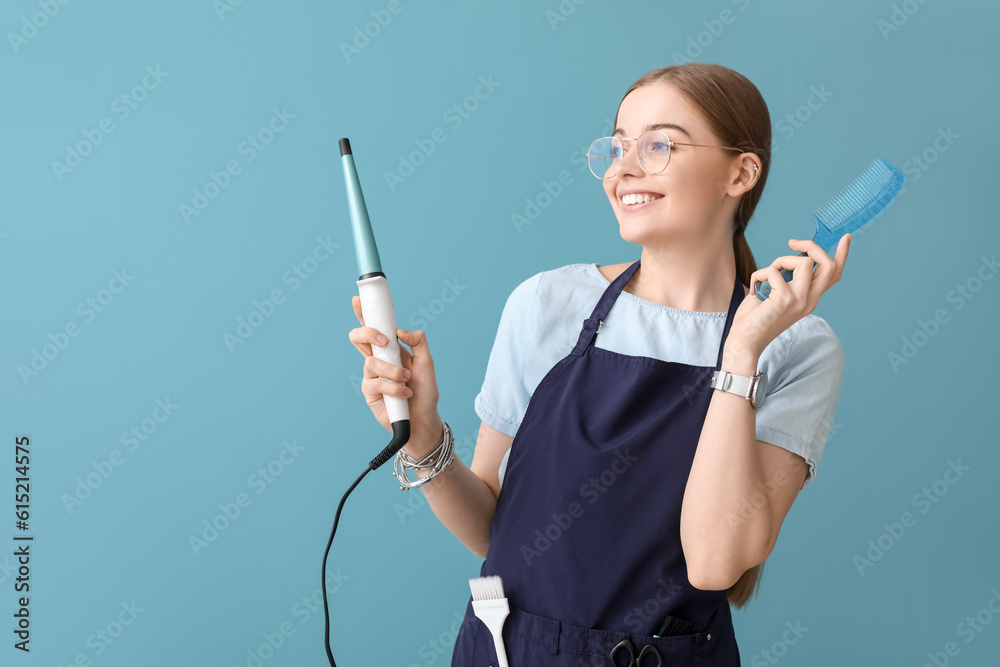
803, 279
824, 270
417, 340
843, 248
374, 388
833, 272
758, 276
405, 358
828, 269
404, 354
356, 302
781, 291
815, 253
832, 269
778, 285
375, 367
364, 349
364, 337
790, 262
797, 264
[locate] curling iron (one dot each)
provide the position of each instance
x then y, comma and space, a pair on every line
376, 301
377, 311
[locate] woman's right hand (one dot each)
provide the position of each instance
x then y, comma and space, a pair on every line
380, 378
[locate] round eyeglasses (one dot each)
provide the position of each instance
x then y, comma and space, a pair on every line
654, 153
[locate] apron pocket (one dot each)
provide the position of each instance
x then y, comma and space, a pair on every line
530, 639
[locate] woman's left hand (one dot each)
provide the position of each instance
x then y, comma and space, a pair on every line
757, 322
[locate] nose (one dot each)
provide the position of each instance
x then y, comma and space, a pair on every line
629, 163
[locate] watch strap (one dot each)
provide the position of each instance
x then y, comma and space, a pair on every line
734, 384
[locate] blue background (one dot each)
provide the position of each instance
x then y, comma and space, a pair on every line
557, 79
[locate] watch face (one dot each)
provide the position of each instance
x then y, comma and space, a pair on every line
760, 390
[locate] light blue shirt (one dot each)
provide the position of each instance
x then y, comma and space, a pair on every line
541, 323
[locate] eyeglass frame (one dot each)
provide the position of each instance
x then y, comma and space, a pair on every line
670, 144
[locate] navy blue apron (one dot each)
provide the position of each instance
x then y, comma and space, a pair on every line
586, 534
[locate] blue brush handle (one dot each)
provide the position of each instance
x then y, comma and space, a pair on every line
763, 289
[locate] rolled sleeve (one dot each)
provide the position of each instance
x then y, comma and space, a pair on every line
804, 388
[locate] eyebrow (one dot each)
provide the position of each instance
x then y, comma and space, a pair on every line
655, 126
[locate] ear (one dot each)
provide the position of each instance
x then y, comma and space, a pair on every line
745, 174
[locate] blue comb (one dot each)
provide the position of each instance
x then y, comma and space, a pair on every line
853, 209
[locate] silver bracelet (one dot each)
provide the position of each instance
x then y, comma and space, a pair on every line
437, 461
429, 459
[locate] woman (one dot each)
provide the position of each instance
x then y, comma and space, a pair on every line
640, 497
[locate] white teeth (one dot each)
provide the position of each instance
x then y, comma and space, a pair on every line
638, 198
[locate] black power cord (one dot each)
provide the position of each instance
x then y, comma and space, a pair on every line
400, 436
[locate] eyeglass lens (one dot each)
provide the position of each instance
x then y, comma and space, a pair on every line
654, 153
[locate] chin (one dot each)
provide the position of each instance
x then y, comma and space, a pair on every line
644, 232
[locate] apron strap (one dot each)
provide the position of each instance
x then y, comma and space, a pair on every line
734, 305
592, 324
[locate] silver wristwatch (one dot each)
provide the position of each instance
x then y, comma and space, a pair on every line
751, 388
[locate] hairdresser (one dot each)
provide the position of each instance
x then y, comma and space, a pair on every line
646, 426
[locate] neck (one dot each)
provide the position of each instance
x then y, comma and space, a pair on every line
689, 273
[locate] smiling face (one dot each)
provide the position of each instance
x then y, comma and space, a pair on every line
693, 193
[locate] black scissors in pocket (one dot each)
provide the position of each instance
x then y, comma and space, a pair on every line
627, 646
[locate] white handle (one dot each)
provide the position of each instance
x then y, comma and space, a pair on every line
378, 312
498, 644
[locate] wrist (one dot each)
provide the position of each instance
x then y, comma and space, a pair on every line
740, 358
435, 462
424, 440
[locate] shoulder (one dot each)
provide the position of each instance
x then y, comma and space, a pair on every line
551, 302
813, 331
810, 345
563, 282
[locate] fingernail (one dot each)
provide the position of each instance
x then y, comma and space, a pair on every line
406, 374
382, 340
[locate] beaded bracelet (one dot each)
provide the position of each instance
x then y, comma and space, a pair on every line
437, 461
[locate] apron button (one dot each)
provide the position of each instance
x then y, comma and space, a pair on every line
709, 636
